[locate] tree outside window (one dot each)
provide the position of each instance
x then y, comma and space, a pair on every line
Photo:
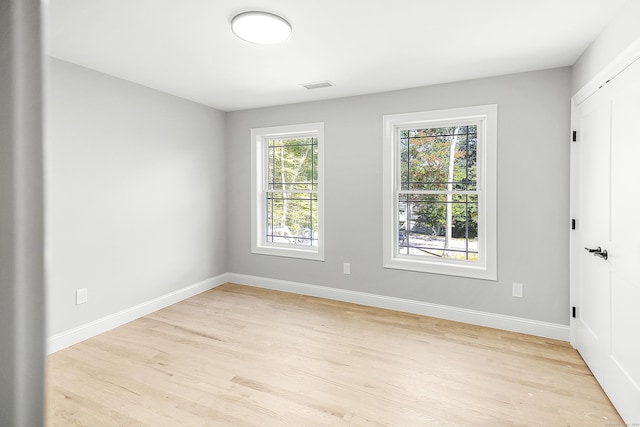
439, 191
287, 191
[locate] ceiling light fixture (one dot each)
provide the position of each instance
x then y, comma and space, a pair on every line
261, 27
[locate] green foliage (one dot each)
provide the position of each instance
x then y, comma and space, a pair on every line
424, 165
292, 206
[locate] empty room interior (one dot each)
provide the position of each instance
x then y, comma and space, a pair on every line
326, 214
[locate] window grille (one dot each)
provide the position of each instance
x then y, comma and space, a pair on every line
438, 195
292, 192
287, 191
439, 191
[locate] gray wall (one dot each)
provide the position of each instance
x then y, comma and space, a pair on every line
22, 302
614, 39
533, 195
135, 194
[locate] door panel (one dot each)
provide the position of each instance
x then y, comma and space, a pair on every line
606, 162
594, 130
625, 350
595, 146
623, 374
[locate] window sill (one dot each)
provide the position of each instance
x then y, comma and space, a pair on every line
444, 268
288, 252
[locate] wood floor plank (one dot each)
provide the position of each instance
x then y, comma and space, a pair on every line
243, 356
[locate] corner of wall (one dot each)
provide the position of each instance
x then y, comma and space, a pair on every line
618, 35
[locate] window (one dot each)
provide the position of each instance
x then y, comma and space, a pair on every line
440, 191
287, 197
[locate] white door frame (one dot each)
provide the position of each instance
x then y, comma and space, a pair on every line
627, 57
613, 377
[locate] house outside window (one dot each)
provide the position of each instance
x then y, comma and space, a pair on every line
287, 191
440, 191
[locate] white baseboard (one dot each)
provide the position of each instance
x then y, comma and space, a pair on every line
481, 318
516, 324
73, 336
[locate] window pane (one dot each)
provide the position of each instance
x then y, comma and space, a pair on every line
423, 221
292, 218
293, 164
425, 156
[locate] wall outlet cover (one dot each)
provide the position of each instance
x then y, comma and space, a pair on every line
517, 290
82, 296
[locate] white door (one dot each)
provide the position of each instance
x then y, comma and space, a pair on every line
606, 206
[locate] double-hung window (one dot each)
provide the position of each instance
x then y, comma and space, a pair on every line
287, 191
440, 191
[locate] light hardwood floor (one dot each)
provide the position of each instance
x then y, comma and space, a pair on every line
242, 356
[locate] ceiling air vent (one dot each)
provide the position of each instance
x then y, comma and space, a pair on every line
318, 85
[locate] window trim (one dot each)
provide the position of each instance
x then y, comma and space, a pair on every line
259, 137
486, 267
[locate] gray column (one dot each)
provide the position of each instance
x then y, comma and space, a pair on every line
22, 302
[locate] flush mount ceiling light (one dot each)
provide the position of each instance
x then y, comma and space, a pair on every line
261, 27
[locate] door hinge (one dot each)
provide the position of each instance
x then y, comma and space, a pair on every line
575, 136
573, 312
573, 224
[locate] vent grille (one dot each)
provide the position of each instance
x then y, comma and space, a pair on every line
318, 85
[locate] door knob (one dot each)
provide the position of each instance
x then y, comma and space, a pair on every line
598, 252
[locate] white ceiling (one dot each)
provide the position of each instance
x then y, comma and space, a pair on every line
186, 47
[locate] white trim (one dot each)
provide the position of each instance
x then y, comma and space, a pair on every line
480, 318
258, 178
621, 62
486, 117
73, 336
573, 214
516, 324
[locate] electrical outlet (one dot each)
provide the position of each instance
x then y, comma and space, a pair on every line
517, 290
346, 268
81, 296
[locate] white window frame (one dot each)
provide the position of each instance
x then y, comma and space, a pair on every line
487, 117
259, 170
